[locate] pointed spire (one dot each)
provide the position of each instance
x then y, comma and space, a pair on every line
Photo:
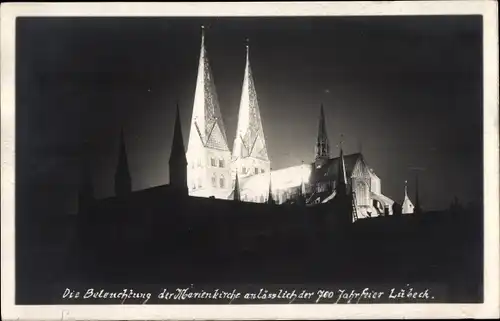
322, 145
270, 199
178, 162
178, 140
341, 174
407, 206
302, 183
207, 127
202, 38
123, 183
250, 140
247, 46
236, 192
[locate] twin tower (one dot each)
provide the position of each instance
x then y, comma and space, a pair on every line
212, 167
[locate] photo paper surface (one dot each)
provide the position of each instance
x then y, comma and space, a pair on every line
249, 160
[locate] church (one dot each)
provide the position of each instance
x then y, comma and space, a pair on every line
208, 169
213, 170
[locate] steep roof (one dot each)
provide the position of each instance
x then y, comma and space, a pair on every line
329, 171
207, 125
249, 140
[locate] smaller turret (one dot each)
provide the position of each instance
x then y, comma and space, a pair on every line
270, 199
322, 146
341, 175
236, 192
407, 207
178, 162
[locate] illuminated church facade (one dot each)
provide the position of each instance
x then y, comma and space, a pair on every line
244, 173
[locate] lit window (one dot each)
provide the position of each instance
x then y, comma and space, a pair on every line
214, 180
222, 181
221, 163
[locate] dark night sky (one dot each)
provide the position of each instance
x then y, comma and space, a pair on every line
408, 88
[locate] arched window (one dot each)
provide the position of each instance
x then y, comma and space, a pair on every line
362, 193
221, 163
222, 181
214, 180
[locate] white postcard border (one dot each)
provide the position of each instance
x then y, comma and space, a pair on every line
489, 309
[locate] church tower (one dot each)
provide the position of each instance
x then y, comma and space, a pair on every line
249, 149
178, 162
322, 145
208, 155
123, 182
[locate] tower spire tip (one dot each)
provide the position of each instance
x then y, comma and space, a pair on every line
247, 47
